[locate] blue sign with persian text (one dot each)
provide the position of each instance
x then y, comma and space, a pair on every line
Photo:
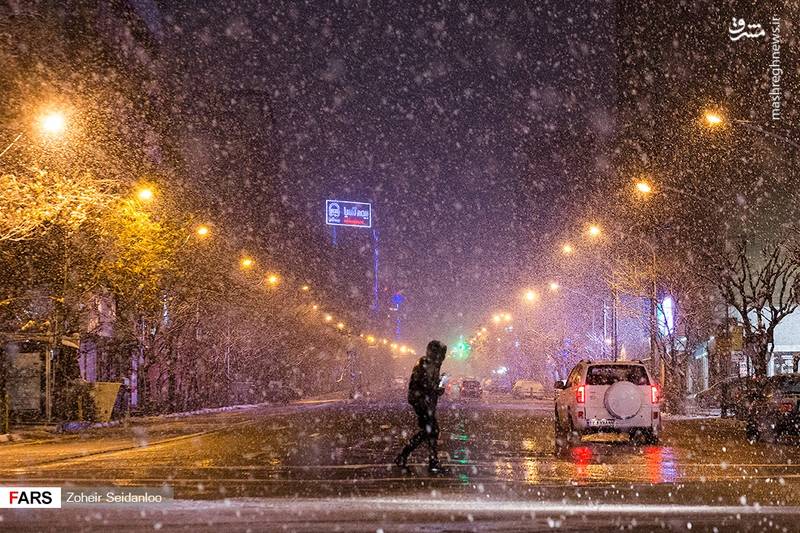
344, 213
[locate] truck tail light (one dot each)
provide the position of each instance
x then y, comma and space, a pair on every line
580, 394
787, 407
654, 394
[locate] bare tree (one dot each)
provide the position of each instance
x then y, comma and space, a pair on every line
762, 288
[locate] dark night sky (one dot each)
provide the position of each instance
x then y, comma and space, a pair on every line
462, 122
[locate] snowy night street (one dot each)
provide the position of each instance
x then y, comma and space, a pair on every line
500, 453
399, 265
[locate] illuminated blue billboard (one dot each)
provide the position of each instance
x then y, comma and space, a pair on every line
344, 213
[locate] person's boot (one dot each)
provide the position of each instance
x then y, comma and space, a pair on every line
401, 461
435, 467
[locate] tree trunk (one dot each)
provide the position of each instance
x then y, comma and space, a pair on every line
675, 389
760, 360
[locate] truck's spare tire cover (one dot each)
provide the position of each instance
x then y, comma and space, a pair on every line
623, 399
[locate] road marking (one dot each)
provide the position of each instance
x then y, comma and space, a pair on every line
474, 506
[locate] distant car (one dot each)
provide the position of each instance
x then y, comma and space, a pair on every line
607, 396
528, 388
399, 383
775, 411
470, 388
498, 384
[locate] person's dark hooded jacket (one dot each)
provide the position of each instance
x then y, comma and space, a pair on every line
423, 388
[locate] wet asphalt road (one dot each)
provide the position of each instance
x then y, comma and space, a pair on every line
314, 465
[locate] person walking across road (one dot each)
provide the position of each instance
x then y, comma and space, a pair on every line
423, 395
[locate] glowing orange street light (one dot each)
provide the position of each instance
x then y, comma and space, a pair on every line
643, 187
246, 263
340, 325
713, 119
554, 286
315, 307
531, 296
328, 318
594, 230
202, 231
567, 249
53, 123
497, 318
305, 288
273, 279
145, 194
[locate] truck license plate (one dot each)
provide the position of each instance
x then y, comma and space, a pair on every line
601, 422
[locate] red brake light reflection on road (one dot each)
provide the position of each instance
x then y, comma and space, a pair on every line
654, 394
580, 394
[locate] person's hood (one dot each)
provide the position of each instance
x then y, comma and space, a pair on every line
435, 352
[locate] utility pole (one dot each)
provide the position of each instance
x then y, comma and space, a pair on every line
4, 399
614, 318
654, 355
375, 268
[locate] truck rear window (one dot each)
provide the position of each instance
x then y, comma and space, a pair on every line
610, 374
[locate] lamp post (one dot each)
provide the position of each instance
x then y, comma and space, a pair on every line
52, 124
715, 119
596, 231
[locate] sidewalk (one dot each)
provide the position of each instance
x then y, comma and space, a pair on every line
40, 449
35, 434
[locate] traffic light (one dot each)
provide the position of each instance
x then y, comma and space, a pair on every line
461, 350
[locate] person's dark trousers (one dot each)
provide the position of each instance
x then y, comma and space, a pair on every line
428, 433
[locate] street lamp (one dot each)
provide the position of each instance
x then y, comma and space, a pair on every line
145, 194
567, 249
554, 286
594, 230
653, 295
246, 263
531, 296
202, 231
53, 123
273, 279
644, 188
713, 119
